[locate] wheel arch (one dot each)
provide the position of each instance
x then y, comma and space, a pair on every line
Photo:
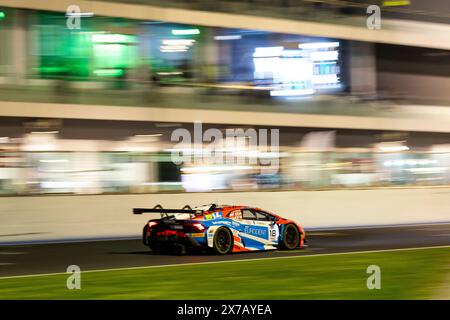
283, 227
212, 231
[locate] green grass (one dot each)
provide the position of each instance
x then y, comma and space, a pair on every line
411, 274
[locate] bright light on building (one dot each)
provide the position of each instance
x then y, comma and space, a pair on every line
300, 72
324, 79
184, 32
318, 45
108, 72
173, 48
394, 148
178, 42
176, 45
53, 160
268, 52
79, 14
214, 168
324, 55
149, 135
110, 38
45, 132
228, 37
289, 92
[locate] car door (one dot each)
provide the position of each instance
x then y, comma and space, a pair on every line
267, 220
258, 230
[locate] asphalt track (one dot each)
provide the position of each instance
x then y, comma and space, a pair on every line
94, 255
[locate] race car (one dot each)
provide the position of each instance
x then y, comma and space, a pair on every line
220, 228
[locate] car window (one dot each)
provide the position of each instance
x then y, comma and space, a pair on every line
248, 214
236, 214
262, 216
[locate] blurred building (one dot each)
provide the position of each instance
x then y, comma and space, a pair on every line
90, 106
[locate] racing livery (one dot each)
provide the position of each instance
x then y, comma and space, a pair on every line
223, 229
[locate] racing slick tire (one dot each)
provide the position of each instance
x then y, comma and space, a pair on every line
291, 237
155, 249
223, 241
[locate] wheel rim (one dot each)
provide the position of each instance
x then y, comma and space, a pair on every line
291, 236
223, 241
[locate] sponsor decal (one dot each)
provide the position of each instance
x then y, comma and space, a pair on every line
256, 231
197, 234
222, 222
273, 233
235, 224
236, 214
212, 216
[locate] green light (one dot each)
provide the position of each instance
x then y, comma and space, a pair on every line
185, 32
112, 38
108, 72
2, 15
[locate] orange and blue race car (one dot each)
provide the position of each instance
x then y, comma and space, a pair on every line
220, 228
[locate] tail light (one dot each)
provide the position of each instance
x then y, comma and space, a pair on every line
194, 228
199, 227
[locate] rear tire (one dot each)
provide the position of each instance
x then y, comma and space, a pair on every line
223, 241
291, 237
155, 249
179, 250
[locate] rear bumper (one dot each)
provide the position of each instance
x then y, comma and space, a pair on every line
171, 241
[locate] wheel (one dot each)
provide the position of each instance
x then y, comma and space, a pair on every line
179, 249
155, 249
291, 237
223, 241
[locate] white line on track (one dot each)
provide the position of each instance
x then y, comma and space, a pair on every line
62, 241
337, 228
10, 252
226, 261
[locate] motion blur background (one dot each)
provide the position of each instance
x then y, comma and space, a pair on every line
91, 110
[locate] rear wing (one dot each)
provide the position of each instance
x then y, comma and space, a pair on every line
165, 212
